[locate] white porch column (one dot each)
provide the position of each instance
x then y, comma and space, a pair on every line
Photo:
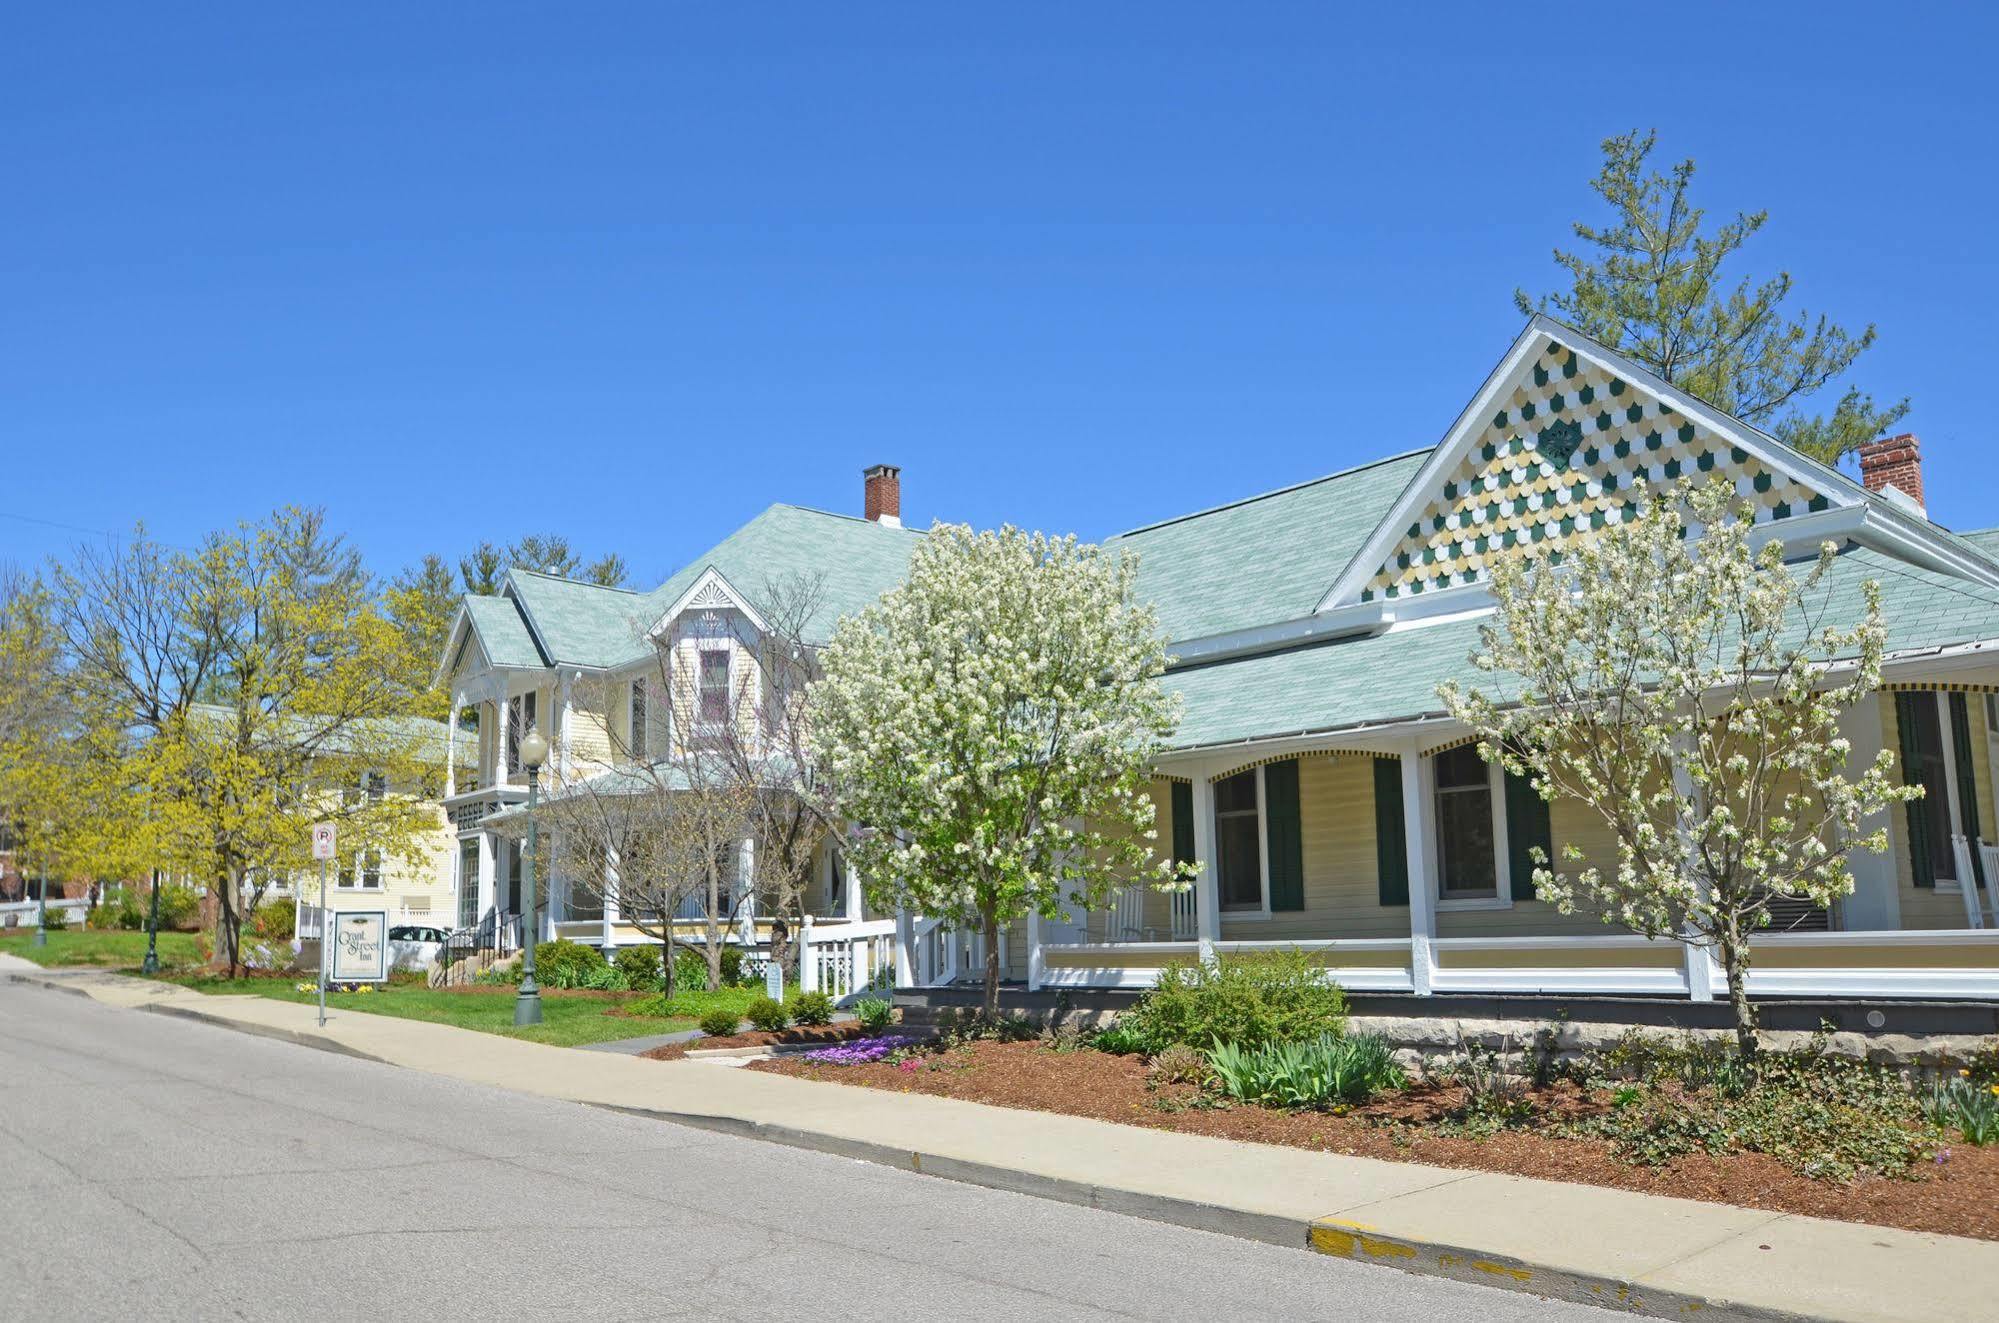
1702, 974
564, 761
1033, 951
1419, 822
609, 940
451, 746
488, 882
905, 949
1876, 902
854, 898
1207, 882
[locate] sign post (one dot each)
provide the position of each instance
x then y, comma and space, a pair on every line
322, 850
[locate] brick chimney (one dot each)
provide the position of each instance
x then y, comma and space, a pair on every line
1896, 462
882, 494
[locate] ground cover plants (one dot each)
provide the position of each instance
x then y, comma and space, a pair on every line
1799, 1131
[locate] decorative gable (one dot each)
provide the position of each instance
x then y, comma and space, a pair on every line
1554, 454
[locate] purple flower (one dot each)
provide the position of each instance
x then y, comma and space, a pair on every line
859, 1052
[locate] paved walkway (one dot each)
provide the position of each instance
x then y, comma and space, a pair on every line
1642, 1252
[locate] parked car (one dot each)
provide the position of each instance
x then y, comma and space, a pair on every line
414, 947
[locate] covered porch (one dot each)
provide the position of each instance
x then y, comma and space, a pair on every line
1399, 861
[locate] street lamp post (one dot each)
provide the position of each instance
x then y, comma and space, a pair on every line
151, 964
527, 1005
42, 910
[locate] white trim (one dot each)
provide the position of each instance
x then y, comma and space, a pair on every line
1463, 433
708, 578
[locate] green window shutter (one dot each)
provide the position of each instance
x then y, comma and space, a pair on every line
1183, 822
1919, 838
1527, 829
1391, 852
1286, 840
1967, 783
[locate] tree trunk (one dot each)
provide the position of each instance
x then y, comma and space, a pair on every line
989, 917
666, 964
226, 925
1735, 962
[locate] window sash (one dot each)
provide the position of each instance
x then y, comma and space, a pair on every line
1239, 842
714, 685
638, 719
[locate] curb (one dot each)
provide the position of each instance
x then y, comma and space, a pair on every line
1329, 1236
292, 1036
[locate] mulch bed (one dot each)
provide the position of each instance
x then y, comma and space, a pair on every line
1958, 1196
797, 1036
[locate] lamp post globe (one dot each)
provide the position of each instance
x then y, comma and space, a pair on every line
42, 910
527, 1004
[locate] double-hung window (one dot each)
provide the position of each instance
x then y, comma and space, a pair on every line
638, 717
1239, 842
1467, 862
712, 686
1932, 855
366, 873
520, 720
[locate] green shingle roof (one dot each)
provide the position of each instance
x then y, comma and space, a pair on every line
855, 560
582, 624
1266, 559
502, 632
1392, 677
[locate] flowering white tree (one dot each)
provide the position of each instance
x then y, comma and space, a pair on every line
988, 726
1684, 685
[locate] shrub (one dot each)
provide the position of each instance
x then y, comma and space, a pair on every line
1322, 1072
874, 1013
640, 966
180, 908
603, 978
732, 966
720, 1022
1120, 1040
1247, 1001
768, 1014
274, 921
813, 1008
55, 918
565, 964
1968, 1106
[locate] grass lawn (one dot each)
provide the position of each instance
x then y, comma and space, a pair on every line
567, 1021
70, 947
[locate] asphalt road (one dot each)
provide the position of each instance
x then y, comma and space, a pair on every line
154, 1167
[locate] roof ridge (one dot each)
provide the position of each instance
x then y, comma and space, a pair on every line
1279, 491
562, 578
835, 514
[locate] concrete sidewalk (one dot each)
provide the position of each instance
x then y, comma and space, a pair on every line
1644, 1253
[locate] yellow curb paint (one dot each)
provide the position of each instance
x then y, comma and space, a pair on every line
1338, 1240
1502, 1270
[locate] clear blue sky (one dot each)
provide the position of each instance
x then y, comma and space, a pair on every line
630, 273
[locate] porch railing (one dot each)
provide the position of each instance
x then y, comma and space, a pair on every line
1944, 963
844, 960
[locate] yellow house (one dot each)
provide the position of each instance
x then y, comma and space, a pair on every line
1326, 798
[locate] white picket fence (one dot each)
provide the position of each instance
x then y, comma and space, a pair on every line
22, 913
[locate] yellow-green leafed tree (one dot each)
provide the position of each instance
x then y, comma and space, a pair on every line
265, 690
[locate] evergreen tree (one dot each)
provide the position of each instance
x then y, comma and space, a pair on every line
1650, 285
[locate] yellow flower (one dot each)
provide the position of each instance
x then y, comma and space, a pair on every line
1964, 1072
